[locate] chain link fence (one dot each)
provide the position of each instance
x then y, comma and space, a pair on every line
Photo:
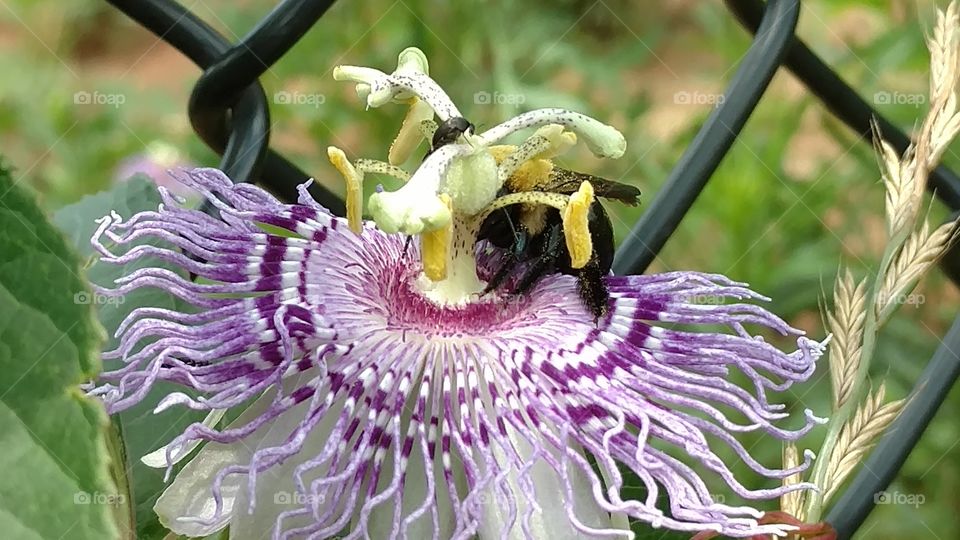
229, 110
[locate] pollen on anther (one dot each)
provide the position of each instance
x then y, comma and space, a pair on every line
435, 246
576, 226
354, 182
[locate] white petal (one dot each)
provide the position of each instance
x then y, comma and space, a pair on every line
552, 521
276, 490
415, 486
190, 494
158, 458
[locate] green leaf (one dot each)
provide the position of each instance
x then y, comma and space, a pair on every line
142, 430
54, 460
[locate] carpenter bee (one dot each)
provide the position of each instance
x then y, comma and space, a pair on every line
534, 234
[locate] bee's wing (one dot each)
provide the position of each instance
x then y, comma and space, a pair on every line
566, 182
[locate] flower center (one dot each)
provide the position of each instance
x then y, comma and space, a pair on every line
449, 263
408, 306
466, 176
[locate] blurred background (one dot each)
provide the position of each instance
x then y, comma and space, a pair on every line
88, 97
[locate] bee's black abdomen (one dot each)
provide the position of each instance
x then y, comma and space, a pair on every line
499, 228
601, 231
593, 291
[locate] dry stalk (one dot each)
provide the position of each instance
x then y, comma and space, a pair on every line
858, 436
792, 502
920, 251
860, 311
846, 325
897, 180
905, 177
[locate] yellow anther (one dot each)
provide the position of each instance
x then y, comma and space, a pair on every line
435, 247
557, 141
409, 135
531, 176
354, 181
564, 142
501, 151
576, 226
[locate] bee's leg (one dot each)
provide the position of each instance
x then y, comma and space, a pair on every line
544, 262
512, 258
593, 291
406, 245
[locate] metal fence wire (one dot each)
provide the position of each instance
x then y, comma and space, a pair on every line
228, 110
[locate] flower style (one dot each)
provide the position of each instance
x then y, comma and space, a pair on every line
382, 395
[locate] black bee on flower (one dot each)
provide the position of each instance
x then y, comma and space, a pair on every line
534, 233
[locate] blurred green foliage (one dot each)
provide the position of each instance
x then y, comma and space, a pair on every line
796, 197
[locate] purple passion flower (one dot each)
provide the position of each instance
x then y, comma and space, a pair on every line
378, 393
154, 162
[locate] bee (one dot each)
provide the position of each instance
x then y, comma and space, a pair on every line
534, 234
